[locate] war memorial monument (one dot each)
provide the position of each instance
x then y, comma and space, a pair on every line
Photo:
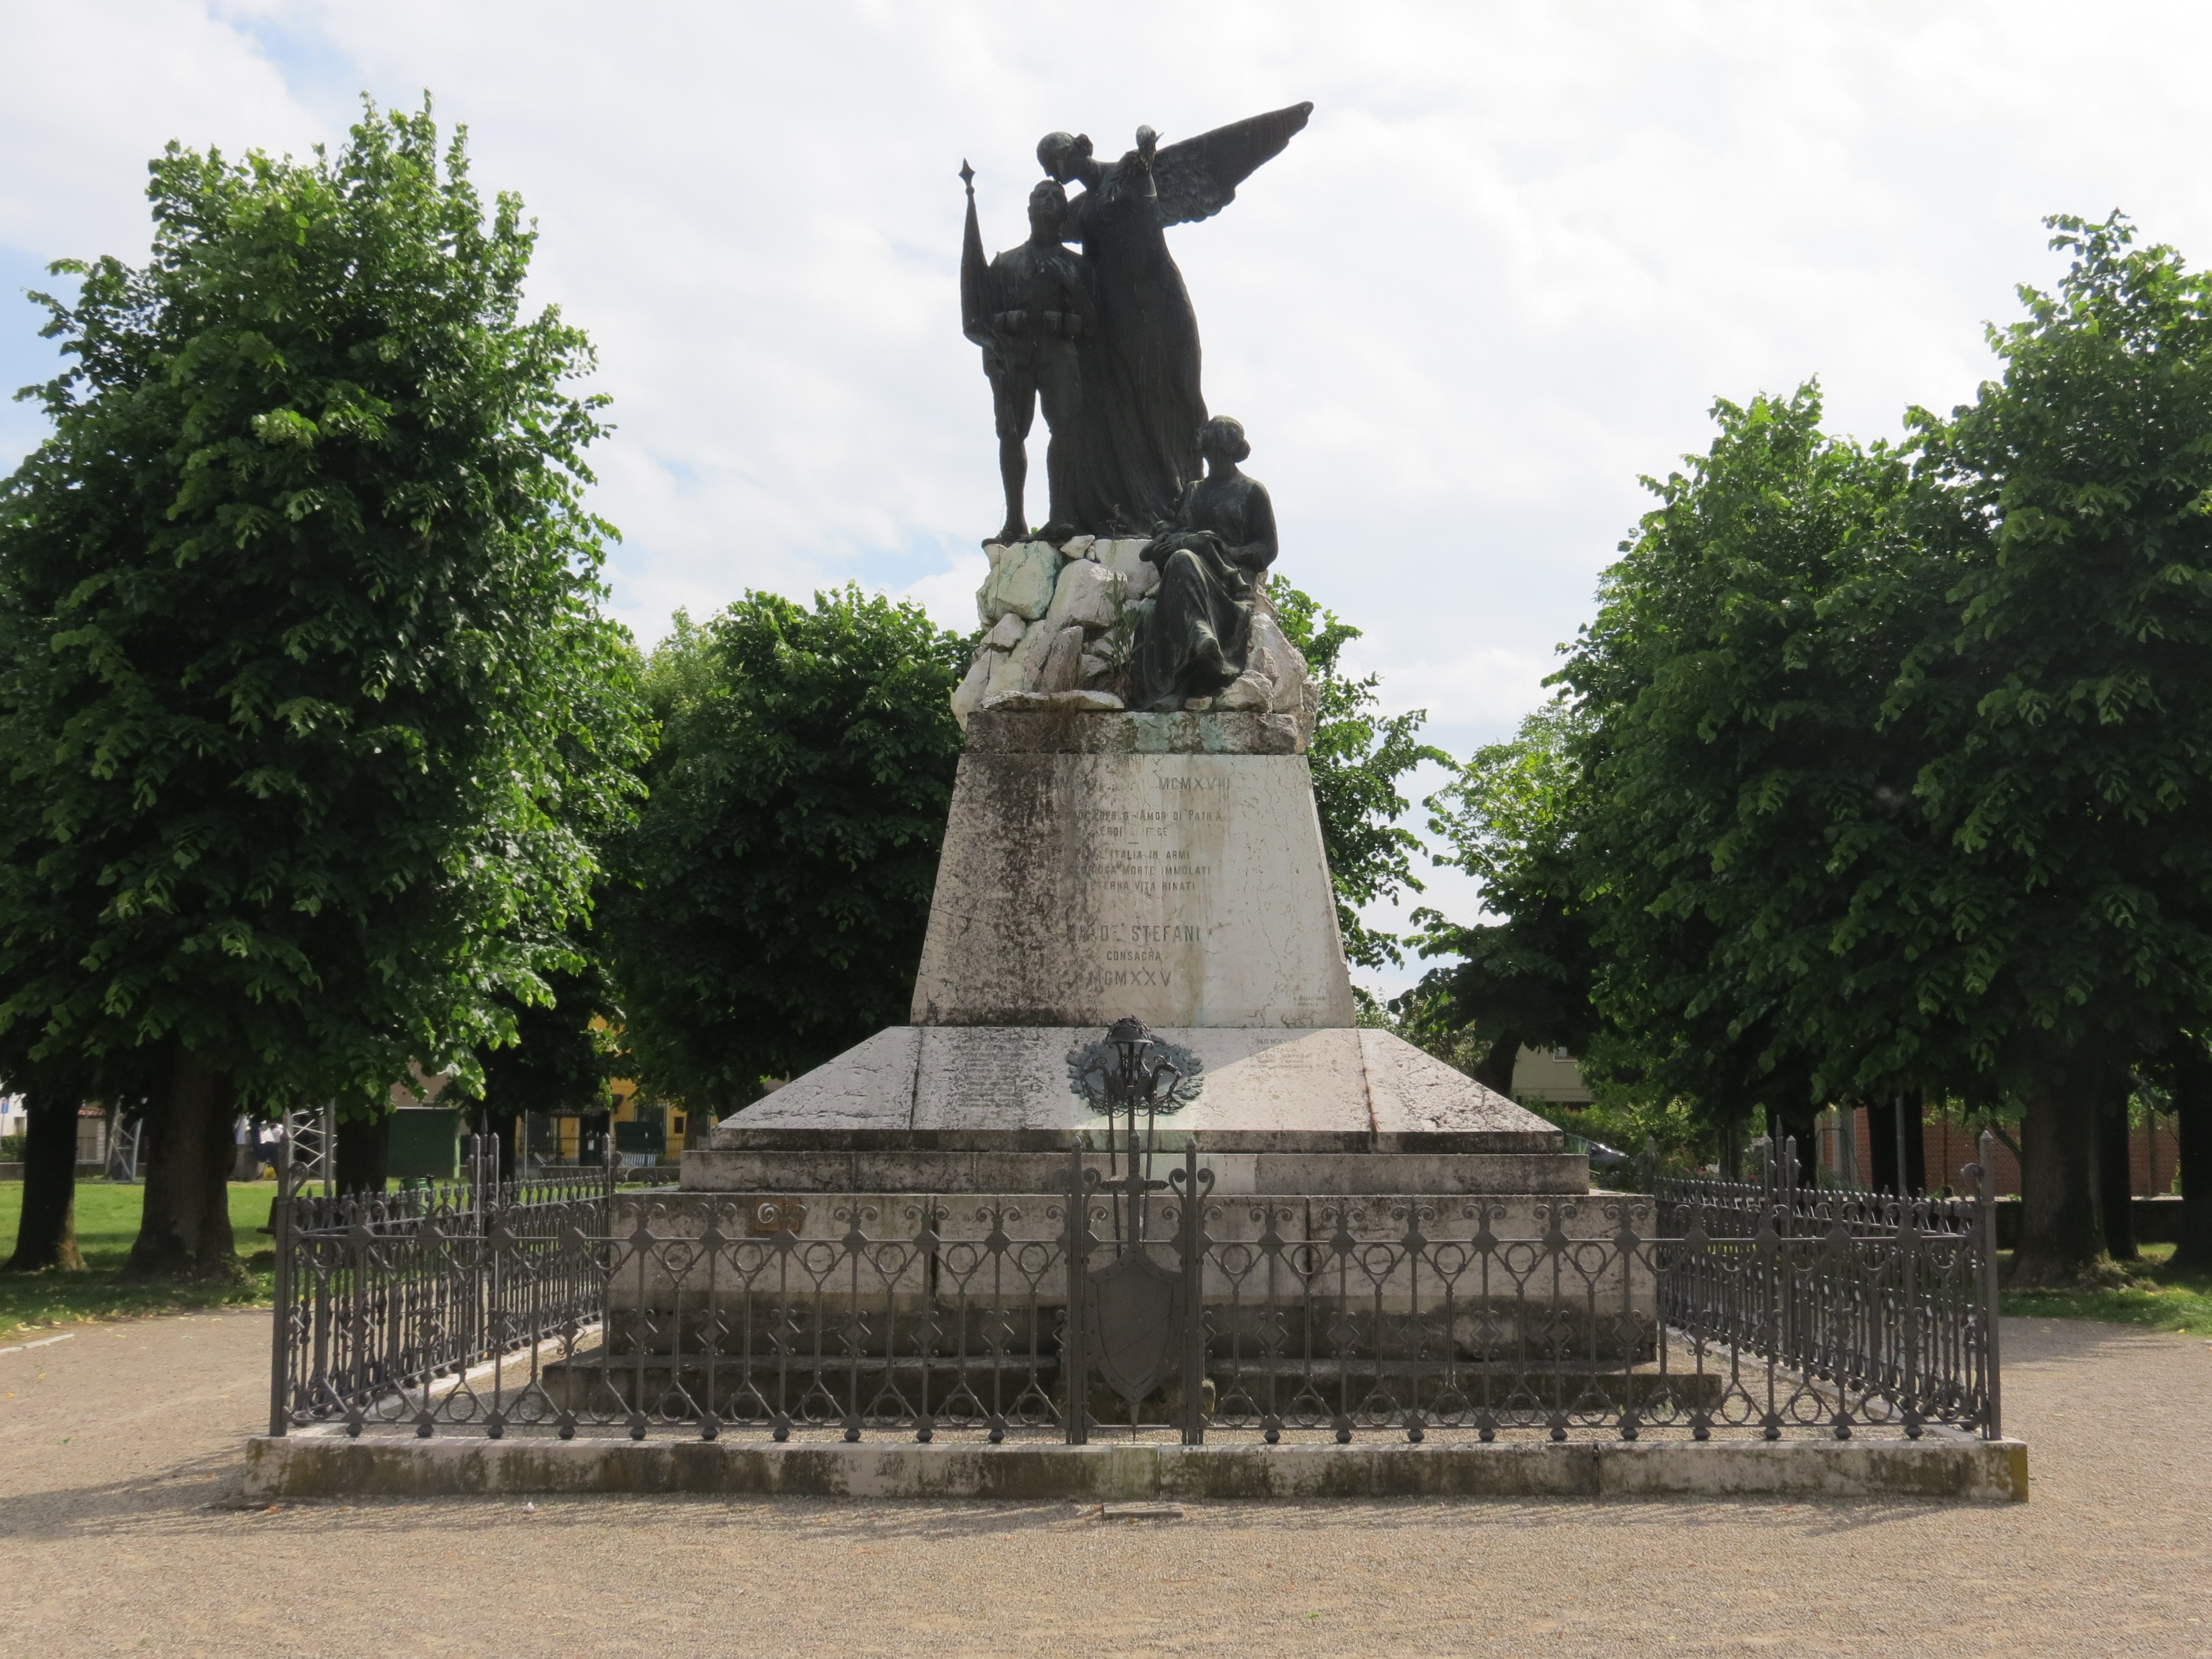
1133, 833
1133, 1207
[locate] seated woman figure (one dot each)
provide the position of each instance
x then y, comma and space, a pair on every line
1192, 644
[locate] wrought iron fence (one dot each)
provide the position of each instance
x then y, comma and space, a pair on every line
1706, 1310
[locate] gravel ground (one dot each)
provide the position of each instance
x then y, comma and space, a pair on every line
117, 1536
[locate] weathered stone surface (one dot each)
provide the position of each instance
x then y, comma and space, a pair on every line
1005, 633
1086, 701
1063, 662
868, 1087
1413, 1092
1286, 1086
1077, 702
1021, 582
1250, 694
1273, 656
1085, 595
1078, 547
968, 696
1095, 669
1077, 888
1022, 666
1332, 1092
993, 730
324, 1463
1125, 559
1522, 1179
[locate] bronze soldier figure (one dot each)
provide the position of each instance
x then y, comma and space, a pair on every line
1027, 310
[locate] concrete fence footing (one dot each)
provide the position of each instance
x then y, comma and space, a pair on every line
1947, 1467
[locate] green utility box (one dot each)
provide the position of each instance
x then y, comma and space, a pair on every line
425, 1143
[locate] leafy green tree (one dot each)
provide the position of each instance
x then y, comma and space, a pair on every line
1358, 757
1740, 791
2068, 703
1895, 780
300, 655
772, 899
1507, 819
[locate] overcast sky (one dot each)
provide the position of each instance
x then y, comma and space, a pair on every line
1506, 268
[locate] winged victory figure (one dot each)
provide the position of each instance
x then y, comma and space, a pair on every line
1142, 405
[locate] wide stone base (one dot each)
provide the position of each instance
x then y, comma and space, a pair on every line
989, 1109
325, 1464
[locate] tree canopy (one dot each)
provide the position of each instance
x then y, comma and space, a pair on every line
770, 904
1358, 757
1884, 769
1507, 819
300, 659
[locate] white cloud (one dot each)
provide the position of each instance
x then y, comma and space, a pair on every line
1507, 268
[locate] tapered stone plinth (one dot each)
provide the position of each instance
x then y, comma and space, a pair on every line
1184, 889
1098, 866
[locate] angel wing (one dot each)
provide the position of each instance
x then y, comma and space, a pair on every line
1198, 177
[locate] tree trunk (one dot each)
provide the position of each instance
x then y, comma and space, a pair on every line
2192, 1121
2062, 1235
185, 1232
1882, 1130
45, 1235
1496, 1071
364, 1155
2115, 1190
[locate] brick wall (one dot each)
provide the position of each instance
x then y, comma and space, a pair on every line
1950, 1147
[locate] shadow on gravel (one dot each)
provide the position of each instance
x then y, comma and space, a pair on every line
863, 1522
143, 1501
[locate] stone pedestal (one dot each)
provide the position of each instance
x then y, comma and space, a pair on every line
1083, 885
989, 1109
1103, 864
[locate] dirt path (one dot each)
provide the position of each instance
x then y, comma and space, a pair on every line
114, 1539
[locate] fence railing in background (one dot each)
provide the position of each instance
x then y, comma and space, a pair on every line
1891, 1297
1786, 1190
1707, 1310
390, 1296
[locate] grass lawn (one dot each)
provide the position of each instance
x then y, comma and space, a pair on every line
106, 1222
2162, 1301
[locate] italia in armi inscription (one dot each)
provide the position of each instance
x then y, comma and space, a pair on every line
1134, 850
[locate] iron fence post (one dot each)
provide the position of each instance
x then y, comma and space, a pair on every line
280, 1335
1908, 1246
1075, 1365
1985, 1235
1787, 1196
1194, 1303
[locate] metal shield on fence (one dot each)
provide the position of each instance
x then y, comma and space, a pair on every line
1136, 1319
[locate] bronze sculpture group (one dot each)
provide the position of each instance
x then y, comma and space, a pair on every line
1106, 341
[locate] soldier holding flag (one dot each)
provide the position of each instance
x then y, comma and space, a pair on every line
1026, 309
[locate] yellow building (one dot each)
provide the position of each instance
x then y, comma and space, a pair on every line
1548, 1077
642, 1127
